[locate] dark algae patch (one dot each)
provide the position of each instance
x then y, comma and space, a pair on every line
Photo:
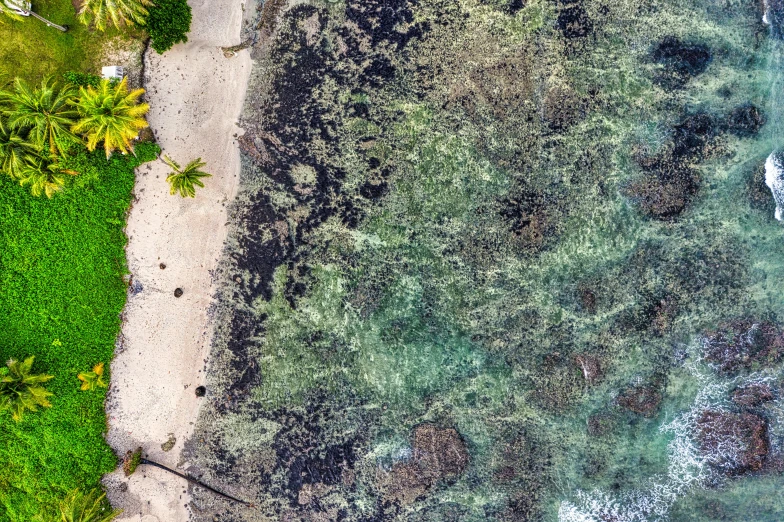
499, 260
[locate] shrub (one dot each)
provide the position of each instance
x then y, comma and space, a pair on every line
82, 79
168, 23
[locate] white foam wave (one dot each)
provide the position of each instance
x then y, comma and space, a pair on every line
688, 467
774, 179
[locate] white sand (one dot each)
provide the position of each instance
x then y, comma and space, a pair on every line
196, 97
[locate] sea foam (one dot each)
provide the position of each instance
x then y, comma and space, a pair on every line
774, 179
689, 468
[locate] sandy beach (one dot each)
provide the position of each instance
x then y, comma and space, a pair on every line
196, 95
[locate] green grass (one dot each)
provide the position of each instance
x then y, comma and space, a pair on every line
61, 293
32, 50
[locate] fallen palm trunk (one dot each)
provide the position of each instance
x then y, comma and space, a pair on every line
134, 458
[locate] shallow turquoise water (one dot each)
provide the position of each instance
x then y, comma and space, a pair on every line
480, 245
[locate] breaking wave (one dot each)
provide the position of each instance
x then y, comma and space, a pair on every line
688, 468
774, 179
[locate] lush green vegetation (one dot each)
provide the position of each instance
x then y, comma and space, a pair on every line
62, 263
168, 24
21, 390
31, 50
61, 291
42, 128
79, 506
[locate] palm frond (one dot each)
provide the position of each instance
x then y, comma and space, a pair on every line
44, 114
185, 180
117, 12
110, 114
20, 390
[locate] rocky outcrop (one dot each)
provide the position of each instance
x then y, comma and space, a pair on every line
680, 61
752, 395
746, 120
735, 443
743, 344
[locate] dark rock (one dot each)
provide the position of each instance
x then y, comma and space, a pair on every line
746, 120
665, 190
201, 391
643, 399
681, 61
670, 182
758, 192
162, 266
752, 395
440, 452
587, 299
178, 292
573, 21
736, 443
562, 107
742, 344
693, 137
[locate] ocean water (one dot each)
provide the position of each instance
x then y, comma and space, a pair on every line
501, 260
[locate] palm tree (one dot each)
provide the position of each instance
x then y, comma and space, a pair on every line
46, 112
16, 153
185, 180
118, 12
20, 390
133, 459
110, 114
44, 177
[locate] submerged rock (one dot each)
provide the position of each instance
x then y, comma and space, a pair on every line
735, 443
573, 20
666, 189
643, 399
743, 344
681, 61
592, 370
746, 120
437, 454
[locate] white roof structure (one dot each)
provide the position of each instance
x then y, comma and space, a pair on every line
112, 72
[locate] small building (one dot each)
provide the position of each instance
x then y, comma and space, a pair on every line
112, 72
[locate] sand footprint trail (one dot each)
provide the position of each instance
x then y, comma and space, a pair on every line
196, 96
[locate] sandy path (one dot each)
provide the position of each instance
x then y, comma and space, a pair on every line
196, 97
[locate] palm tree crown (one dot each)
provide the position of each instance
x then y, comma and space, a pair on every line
118, 12
45, 112
16, 153
20, 390
185, 180
44, 177
112, 115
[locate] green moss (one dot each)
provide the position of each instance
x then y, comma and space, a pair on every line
62, 291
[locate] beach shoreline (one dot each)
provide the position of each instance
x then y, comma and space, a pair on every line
196, 94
